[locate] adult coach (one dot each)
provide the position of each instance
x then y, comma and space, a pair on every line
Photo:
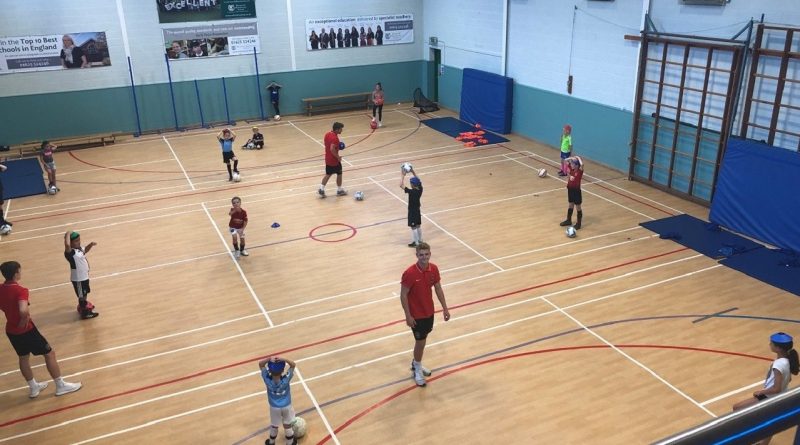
24, 336
417, 300
333, 160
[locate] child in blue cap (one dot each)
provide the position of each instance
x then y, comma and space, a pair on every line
779, 374
279, 395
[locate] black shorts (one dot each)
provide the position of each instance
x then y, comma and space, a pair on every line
414, 217
423, 328
82, 288
227, 156
31, 342
333, 169
574, 196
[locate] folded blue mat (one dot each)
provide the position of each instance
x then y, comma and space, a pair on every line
454, 127
23, 178
778, 268
706, 238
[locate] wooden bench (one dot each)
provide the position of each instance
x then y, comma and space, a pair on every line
32, 148
338, 102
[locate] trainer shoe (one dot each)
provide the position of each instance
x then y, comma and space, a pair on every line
36, 390
414, 244
321, 193
245, 253
89, 314
562, 174
269, 442
67, 388
380, 124
341, 192
419, 379
236, 254
577, 226
566, 222
425, 371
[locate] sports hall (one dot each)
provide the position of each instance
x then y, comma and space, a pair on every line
656, 317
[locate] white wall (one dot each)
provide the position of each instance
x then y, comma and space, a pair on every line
34, 17
469, 31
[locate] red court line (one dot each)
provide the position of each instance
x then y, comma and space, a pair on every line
308, 345
594, 183
399, 393
205, 191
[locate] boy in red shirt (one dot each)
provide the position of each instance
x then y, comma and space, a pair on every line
417, 301
236, 225
574, 196
333, 160
24, 336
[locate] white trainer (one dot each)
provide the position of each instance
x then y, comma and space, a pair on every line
425, 371
35, 391
245, 253
419, 379
67, 388
236, 254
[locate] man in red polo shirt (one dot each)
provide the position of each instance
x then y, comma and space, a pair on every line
333, 160
24, 336
417, 300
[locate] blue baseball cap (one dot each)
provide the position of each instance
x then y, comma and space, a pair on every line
276, 367
780, 338
415, 181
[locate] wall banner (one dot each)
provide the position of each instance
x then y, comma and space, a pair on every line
354, 32
180, 11
53, 52
211, 40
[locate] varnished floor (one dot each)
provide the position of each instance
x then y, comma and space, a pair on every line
608, 338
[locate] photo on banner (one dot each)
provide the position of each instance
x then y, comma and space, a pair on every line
180, 11
53, 52
354, 32
211, 41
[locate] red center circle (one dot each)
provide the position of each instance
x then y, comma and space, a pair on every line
352, 232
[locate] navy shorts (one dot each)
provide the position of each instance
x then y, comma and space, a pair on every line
227, 156
423, 328
414, 217
574, 196
333, 169
82, 289
31, 342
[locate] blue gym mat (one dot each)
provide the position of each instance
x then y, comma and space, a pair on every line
778, 268
23, 178
454, 127
706, 238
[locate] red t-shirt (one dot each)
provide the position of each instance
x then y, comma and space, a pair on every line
11, 294
331, 138
574, 180
238, 219
420, 293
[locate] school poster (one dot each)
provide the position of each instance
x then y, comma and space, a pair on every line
53, 52
194, 42
180, 11
358, 32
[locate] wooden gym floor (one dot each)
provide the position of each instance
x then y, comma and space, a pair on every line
613, 337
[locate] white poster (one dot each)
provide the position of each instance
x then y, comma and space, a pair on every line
53, 52
354, 32
211, 40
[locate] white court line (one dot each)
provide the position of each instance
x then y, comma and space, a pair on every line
731, 393
633, 360
357, 365
594, 194
238, 267
334, 311
75, 172
180, 164
271, 325
425, 215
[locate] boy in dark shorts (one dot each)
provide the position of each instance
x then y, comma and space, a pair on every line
417, 301
414, 213
574, 195
79, 272
24, 336
333, 160
226, 138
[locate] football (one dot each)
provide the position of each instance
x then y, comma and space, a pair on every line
237, 177
407, 167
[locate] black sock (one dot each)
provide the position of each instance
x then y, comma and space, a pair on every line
569, 214
241, 244
230, 173
236, 166
580, 216
236, 246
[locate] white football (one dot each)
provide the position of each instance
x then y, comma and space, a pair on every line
359, 196
52, 190
5, 229
237, 177
542, 172
571, 232
277, 117
407, 167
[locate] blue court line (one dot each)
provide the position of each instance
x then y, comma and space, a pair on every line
521, 345
714, 315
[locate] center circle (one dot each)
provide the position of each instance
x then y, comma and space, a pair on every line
311, 233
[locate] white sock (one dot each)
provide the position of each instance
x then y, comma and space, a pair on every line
33, 384
321, 187
59, 381
339, 189
413, 236
419, 234
416, 364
